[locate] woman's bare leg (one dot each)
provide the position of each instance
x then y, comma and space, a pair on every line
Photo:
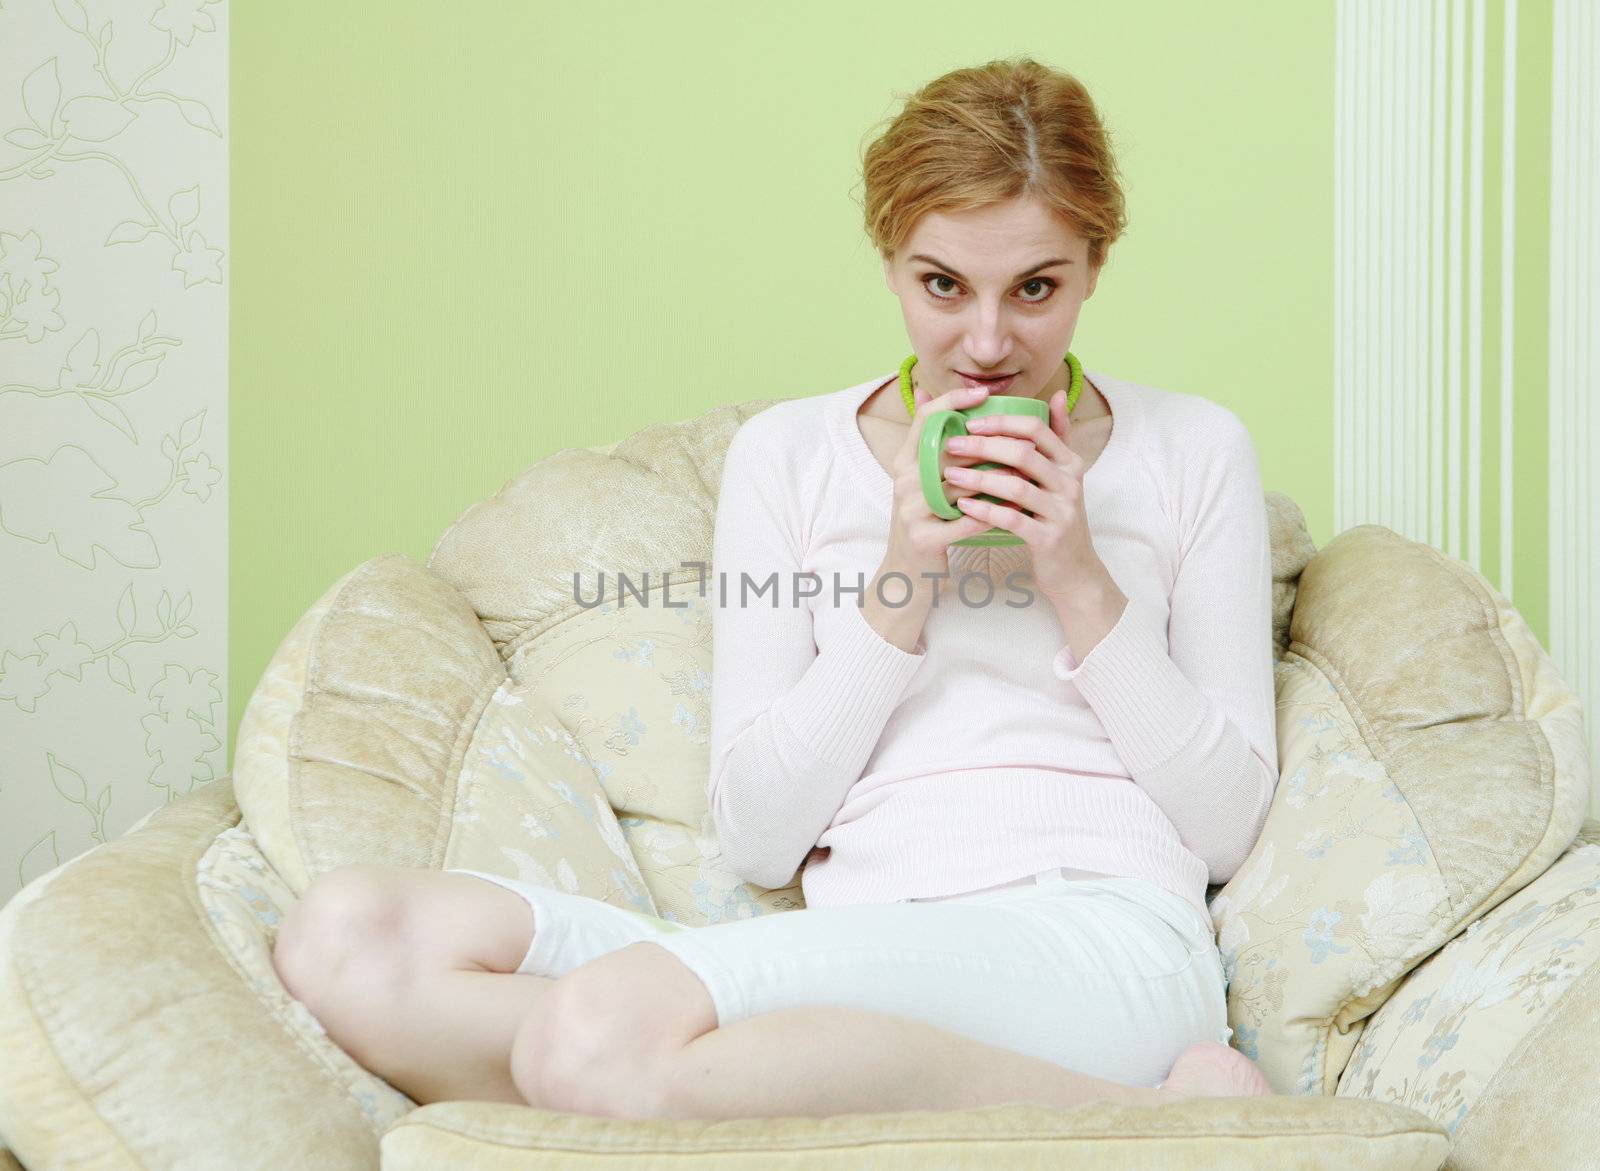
826, 1061
633, 1034
412, 972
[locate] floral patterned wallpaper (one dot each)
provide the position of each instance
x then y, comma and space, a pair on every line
113, 418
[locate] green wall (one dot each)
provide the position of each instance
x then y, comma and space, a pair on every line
466, 238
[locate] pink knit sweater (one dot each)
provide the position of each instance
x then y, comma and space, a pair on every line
988, 753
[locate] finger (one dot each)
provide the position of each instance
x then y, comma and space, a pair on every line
951, 400
965, 526
1060, 422
926, 404
1004, 485
954, 487
1042, 434
1019, 454
999, 516
954, 491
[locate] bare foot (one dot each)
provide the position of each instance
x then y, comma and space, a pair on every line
1209, 1069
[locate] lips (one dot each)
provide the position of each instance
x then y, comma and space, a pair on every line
992, 383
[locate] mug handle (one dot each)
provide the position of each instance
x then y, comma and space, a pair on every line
937, 429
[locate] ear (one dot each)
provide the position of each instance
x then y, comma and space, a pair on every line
887, 269
1094, 279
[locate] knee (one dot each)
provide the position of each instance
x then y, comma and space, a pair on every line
349, 915
557, 1049
576, 1051
604, 1038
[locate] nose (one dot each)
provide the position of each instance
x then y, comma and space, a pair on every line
986, 343
986, 353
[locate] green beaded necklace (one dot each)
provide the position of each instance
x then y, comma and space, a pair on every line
1075, 384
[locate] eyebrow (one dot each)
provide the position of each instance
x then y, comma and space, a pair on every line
1018, 277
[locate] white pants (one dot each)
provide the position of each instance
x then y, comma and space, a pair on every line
1111, 977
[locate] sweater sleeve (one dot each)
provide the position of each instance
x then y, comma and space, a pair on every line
792, 724
1193, 716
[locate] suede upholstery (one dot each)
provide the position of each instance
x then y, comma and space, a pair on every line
123, 1021
1304, 1133
474, 712
1423, 780
1476, 1036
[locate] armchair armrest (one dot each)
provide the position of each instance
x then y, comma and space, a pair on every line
130, 1038
1497, 1034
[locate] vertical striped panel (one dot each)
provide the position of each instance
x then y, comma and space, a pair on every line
1581, 326
1452, 534
1436, 371
1587, 324
1418, 452
1574, 359
1413, 320
1386, 387
1589, 329
1560, 456
1362, 250
1577, 338
1408, 269
1474, 350
1409, 237
1343, 99
1508, 206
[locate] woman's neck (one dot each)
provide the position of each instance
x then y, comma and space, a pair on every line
1091, 403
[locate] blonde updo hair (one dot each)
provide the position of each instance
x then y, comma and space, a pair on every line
987, 135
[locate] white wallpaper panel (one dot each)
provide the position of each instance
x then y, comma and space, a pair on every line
1574, 433
1418, 409
113, 418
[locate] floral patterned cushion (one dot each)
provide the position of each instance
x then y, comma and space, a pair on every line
595, 743
1432, 763
528, 805
631, 685
1438, 1042
625, 674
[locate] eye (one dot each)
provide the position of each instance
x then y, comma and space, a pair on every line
1048, 284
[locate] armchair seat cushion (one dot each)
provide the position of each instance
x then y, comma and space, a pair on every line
1199, 1134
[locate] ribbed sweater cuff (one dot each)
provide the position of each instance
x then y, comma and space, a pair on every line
841, 704
1149, 708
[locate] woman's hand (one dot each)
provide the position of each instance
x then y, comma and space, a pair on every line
1065, 564
919, 538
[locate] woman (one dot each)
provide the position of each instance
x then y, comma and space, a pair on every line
1006, 808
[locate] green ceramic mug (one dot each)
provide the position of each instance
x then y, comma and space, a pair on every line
939, 427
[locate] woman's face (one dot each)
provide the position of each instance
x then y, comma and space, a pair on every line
976, 300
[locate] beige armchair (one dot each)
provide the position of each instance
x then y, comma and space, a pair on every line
1412, 946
